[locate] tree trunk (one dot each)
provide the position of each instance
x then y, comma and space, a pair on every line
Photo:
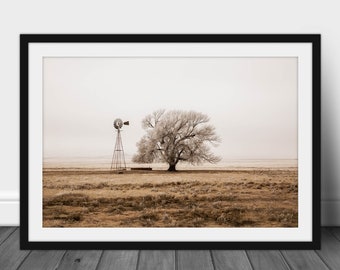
172, 168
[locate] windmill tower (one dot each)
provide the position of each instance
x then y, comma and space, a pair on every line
118, 158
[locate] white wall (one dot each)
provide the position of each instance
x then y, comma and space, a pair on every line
176, 16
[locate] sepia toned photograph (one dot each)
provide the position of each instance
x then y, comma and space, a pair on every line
170, 141
175, 142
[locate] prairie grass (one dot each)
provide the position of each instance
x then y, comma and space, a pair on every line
239, 198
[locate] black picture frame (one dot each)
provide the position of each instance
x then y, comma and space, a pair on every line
27, 39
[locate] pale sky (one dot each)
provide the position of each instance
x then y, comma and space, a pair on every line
252, 102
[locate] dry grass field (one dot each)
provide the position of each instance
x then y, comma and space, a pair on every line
229, 198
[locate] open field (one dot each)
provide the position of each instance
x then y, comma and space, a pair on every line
218, 198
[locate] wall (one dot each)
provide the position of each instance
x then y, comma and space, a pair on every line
191, 16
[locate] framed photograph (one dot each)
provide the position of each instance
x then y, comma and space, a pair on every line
170, 141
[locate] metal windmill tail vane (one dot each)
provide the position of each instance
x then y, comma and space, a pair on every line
118, 158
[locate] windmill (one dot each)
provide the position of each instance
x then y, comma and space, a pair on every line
118, 158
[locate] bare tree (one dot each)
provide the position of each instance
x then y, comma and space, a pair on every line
175, 136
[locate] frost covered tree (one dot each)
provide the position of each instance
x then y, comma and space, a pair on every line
174, 136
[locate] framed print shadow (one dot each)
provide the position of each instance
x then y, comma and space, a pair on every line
170, 141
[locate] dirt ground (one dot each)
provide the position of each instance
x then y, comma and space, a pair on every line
230, 198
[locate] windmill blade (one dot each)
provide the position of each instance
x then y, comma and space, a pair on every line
118, 123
